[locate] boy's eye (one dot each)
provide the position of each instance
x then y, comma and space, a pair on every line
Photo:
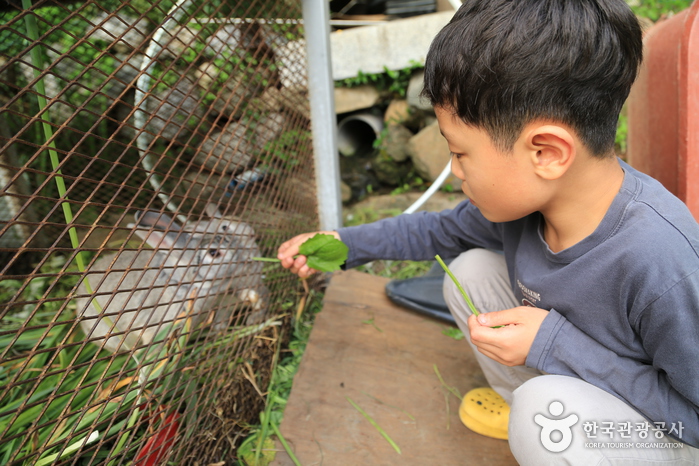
458, 156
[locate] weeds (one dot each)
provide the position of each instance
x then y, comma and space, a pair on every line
255, 449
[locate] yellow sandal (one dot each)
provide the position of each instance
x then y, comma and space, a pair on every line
485, 412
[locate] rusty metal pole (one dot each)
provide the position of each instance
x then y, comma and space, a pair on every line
321, 92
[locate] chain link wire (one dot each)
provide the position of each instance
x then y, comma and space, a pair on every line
148, 151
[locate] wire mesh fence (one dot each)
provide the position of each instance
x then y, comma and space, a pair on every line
149, 150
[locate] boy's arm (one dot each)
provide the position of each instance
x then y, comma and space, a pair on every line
421, 235
665, 388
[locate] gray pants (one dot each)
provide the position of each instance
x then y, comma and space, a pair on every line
555, 419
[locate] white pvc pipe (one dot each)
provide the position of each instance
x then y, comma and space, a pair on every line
432, 189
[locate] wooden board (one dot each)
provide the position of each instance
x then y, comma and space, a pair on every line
388, 370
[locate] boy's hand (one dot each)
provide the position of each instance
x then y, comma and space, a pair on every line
508, 345
290, 248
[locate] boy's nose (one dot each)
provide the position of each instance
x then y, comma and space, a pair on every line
456, 168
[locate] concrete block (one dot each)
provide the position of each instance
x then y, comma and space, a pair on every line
394, 44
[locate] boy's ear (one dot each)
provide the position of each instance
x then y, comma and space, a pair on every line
551, 149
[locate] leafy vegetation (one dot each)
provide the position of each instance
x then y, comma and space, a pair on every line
255, 449
392, 81
656, 9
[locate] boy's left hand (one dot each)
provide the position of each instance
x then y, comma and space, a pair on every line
508, 345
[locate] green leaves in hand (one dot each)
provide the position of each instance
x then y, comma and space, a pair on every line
324, 253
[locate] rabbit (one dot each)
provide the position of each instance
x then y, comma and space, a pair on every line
249, 282
148, 289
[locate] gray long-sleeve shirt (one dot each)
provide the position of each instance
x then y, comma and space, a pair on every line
623, 302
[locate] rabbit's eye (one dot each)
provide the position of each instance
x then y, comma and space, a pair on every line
214, 253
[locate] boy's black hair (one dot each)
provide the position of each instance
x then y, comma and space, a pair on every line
500, 64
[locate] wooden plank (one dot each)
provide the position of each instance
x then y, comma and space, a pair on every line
387, 369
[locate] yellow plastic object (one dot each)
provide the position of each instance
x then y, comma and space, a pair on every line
485, 412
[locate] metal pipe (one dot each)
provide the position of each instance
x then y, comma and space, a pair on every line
316, 16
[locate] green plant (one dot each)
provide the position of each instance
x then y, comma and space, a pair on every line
287, 148
324, 253
622, 134
655, 9
392, 81
412, 183
250, 450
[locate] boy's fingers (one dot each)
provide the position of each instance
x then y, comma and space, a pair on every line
493, 319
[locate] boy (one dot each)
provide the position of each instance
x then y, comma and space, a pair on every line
585, 270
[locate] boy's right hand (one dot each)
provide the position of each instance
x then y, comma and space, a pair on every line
290, 248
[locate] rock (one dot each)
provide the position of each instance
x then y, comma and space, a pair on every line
429, 152
349, 99
232, 149
226, 151
292, 61
398, 111
178, 41
269, 129
390, 205
395, 142
357, 173
202, 187
345, 191
389, 172
395, 45
123, 33
415, 87
228, 98
227, 42
175, 111
291, 100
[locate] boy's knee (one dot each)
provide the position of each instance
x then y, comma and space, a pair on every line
483, 275
531, 414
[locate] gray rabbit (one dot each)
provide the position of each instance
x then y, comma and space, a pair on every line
188, 272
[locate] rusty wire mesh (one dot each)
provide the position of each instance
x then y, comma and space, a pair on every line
154, 147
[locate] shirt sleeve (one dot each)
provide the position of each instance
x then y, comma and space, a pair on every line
664, 388
421, 235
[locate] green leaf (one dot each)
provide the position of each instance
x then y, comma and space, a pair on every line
454, 333
324, 252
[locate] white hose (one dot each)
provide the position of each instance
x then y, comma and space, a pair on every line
432, 189
142, 88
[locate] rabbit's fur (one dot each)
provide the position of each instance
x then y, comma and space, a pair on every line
188, 272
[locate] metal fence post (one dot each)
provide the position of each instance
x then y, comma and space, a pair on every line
321, 93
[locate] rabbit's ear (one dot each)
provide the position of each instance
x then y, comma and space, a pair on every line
163, 240
212, 210
150, 219
158, 239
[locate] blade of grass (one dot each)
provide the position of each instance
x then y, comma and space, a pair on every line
265, 415
373, 423
72, 448
451, 389
38, 66
282, 440
458, 285
446, 402
412, 418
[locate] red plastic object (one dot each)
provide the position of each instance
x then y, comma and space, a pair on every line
663, 108
159, 444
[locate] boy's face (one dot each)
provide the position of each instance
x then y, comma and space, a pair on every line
499, 184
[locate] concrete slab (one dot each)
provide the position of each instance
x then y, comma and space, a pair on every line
394, 45
383, 358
